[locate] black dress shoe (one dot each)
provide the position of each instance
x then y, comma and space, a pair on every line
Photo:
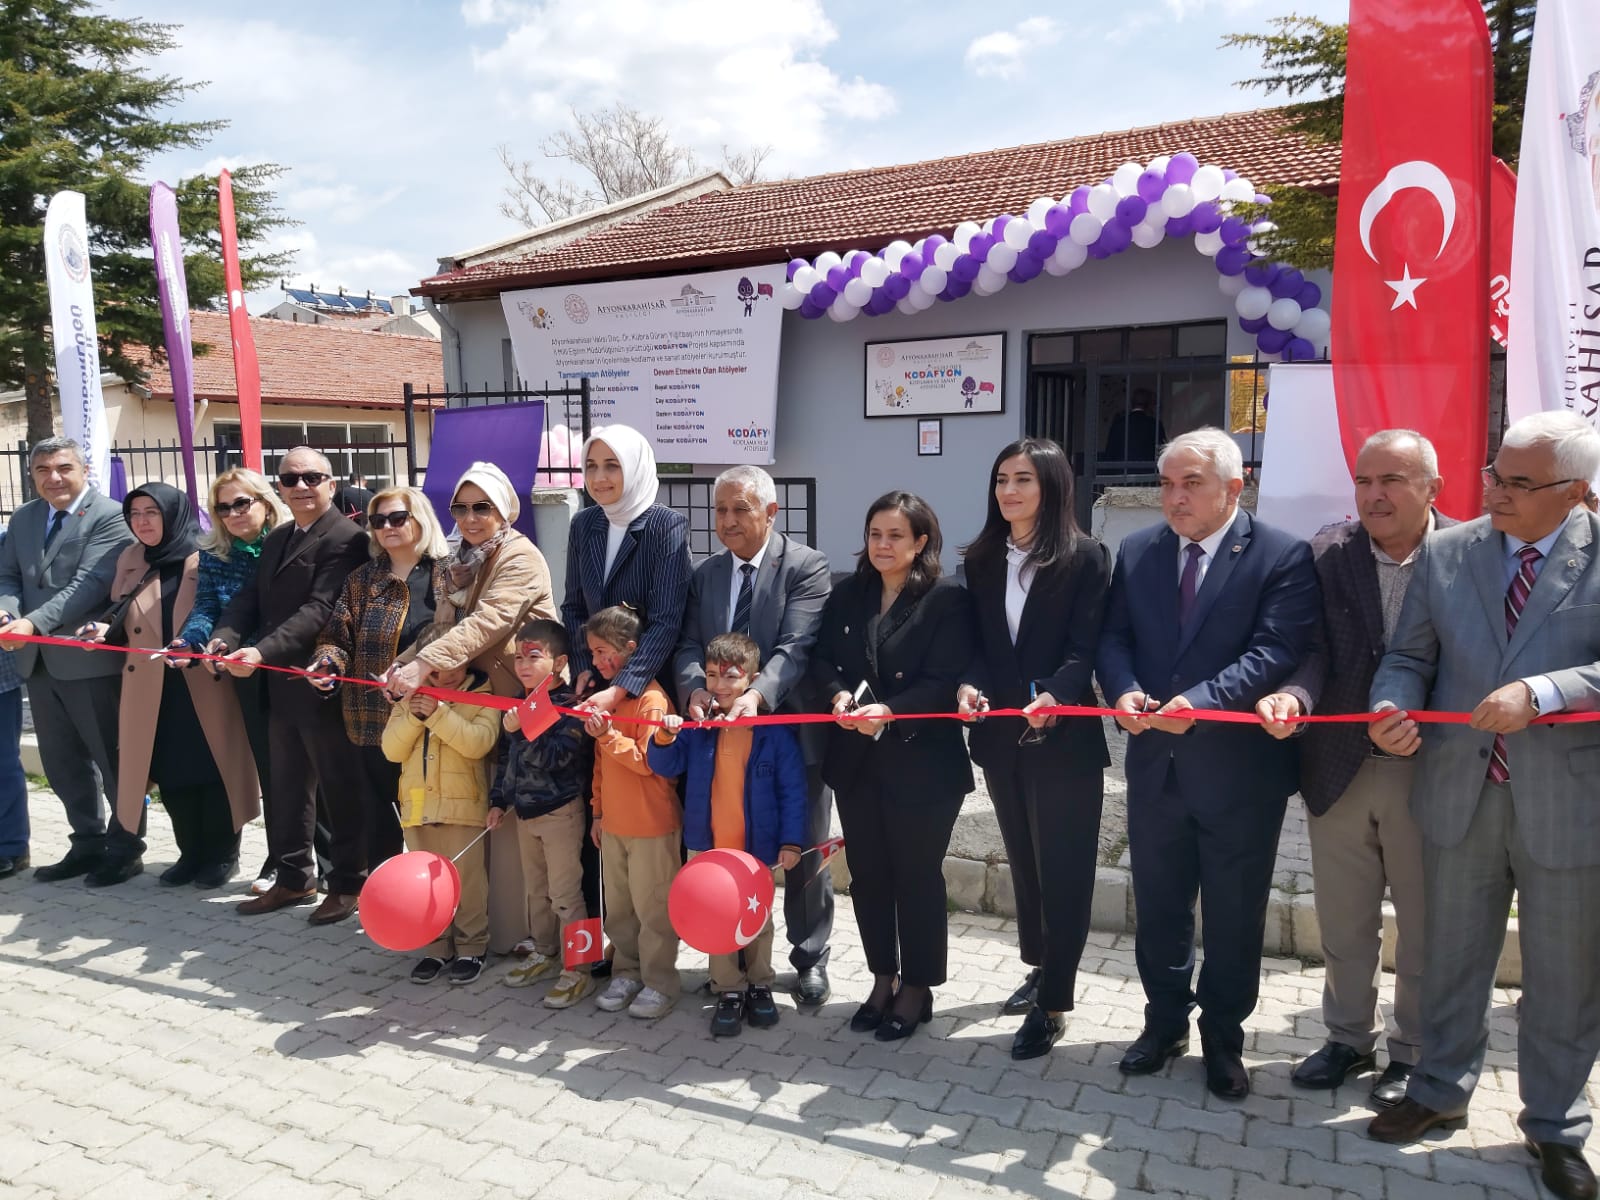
1391, 1086
77, 862
1409, 1120
179, 873
1151, 1050
1021, 1000
760, 1011
1563, 1170
216, 875
895, 1027
10, 864
1328, 1066
866, 1019
811, 986
1225, 1073
1039, 1032
109, 874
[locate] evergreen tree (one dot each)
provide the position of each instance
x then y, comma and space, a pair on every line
1304, 59
78, 111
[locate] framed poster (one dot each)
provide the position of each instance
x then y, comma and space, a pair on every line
925, 377
930, 437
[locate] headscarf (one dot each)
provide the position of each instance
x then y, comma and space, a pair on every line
494, 484
466, 561
180, 531
639, 483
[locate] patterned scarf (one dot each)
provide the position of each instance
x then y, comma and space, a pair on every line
462, 567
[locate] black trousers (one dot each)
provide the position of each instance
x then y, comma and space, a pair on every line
384, 839
1225, 850
1050, 824
202, 823
808, 889
896, 837
76, 723
252, 691
314, 761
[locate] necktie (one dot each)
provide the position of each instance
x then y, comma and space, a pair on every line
1516, 597
56, 517
1190, 583
747, 596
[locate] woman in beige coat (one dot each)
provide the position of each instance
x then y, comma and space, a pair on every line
182, 731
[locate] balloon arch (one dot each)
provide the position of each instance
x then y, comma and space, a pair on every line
1141, 204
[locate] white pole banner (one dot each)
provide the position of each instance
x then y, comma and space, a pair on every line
1305, 483
1553, 360
72, 327
690, 361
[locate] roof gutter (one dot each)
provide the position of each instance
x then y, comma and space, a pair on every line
455, 337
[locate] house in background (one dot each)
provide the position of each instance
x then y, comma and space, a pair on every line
395, 314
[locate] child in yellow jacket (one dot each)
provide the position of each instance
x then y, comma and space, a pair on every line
443, 750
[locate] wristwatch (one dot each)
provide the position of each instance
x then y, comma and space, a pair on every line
1533, 697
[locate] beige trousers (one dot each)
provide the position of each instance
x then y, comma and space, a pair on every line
551, 847
637, 875
468, 934
1365, 842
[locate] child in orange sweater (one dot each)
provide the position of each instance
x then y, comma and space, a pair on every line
638, 826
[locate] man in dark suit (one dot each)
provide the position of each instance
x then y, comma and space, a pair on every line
280, 613
1210, 611
773, 589
1362, 836
56, 567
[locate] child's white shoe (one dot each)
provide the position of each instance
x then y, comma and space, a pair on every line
620, 994
650, 1004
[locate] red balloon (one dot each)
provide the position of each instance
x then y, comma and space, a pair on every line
720, 901
410, 900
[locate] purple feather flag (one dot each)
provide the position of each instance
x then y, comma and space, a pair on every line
174, 291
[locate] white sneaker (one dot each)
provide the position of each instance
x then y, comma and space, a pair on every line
619, 995
525, 947
650, 1004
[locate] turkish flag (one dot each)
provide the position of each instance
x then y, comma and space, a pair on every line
829, 848
1411, 248
538, 712
1502, 210
582, 942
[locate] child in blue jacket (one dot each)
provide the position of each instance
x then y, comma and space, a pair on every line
746, 791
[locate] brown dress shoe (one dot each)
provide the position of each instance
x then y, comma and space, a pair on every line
273, 899
1563, 1170
335, 907
1408, 1120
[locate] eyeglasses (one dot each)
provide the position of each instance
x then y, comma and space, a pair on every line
310, 478
237, 509
394, 520
1491, 479
481, 508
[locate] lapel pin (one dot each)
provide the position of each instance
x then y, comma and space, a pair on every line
1572, 562
1236, 549
847, 629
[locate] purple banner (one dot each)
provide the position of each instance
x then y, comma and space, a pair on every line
174, 291
118, 490
505, 434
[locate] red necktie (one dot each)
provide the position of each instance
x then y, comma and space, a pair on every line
1516, 597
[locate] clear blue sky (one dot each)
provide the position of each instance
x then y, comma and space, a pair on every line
388, 115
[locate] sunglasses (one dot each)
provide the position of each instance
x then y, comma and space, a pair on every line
394, 520
237, 509
310, 478
481, 508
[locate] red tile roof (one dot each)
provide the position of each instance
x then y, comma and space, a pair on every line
309, 364
869, 208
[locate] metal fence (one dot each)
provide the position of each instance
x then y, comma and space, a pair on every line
797, 510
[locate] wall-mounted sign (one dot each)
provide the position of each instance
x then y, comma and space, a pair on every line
937, 376
930, 437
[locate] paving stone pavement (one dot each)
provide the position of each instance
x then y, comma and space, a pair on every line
154, 1043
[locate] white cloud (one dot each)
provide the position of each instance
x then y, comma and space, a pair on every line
1003, 53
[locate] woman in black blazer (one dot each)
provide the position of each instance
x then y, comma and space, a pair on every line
1039, 586
907, 634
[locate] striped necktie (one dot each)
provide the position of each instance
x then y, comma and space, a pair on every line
747, 596
1516, 597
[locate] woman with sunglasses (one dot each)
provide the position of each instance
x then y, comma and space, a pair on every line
1039, 586
384, 604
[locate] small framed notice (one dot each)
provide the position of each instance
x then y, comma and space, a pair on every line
929, 377
930, 436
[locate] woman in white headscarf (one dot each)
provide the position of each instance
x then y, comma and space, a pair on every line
626, 550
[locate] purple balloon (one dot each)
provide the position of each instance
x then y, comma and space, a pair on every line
1234, 231
1229, 174
1042, 244
1115, 237
1099, 251
1205, 217
1078, 202
1151, 186
1252, 324
929, 244
882, 302
854, 261
837, 277
1180, 226
1029, 265
1298, 350
822, 295
980, 245
1272, 341
1287, 285
912, 266
1310, 295
1131, 210
1182, 168
1261, 274
1000, 224
1231, 260
958, 287
809, 310
966, 268
1263, 198
1058, 220
795, 264
897, 287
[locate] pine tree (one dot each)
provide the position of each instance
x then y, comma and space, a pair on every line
1304, 59
79, 111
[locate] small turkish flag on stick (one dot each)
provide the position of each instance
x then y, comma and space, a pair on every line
582, 942
538, 712
828, 848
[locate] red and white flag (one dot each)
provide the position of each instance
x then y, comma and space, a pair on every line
538, 712
1411, 251
246, 368
582, 942
829, 848
1502, 214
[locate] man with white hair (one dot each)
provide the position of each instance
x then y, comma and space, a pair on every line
1500, 622
1212, 610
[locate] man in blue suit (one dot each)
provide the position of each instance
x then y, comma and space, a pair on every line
1210, 611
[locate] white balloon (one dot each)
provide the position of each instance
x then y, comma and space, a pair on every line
906, 306
1103, 201
1069, 254
922, 300
1314, 325
1261, 229
1037, 210
857, 292
875, 271
1240, 189
1232, 285
1207, 182
1001, 257
988, 226
1252, 303
1126, 179
964, 234
894, 252
1147, 237
945, 256
1018, 231
1053, 266
1284, 314
933, 279
989, 279
1208, 243
807, 278
1160, 163
791, 297
1085, 229
827, 261
842, 310
1177, 200
980, 288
